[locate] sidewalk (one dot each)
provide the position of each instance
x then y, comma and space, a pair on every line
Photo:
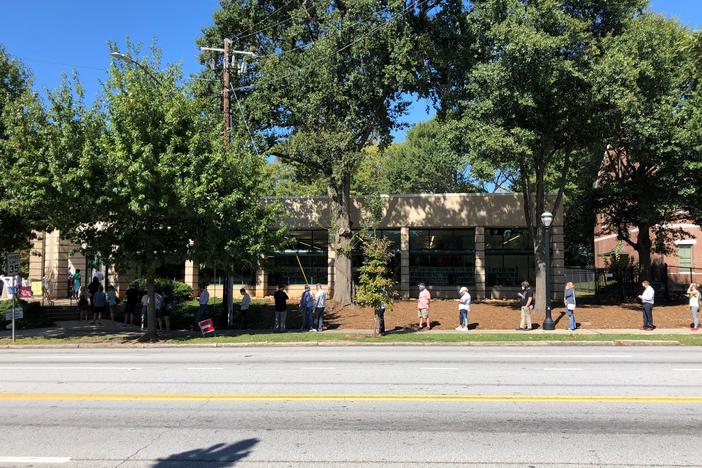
115, 331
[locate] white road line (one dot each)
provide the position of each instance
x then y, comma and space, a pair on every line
688, 370
67, 368
562, 368
562, 356
42, 460
317, 368
205, 368
438, 368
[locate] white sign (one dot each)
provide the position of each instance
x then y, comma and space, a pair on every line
13, 264
19, 313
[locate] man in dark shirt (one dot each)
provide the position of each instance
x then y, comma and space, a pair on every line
132, 302
526, 302
281, 308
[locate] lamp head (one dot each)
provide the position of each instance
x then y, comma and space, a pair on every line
547, 218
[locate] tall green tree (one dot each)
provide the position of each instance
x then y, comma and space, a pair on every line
150, 180
327, 84
527, 106
642, 85
425, 163
21, 122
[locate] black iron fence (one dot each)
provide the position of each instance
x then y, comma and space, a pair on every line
624, 284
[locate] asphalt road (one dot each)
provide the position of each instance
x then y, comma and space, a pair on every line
344, 407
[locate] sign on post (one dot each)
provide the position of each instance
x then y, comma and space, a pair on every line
16, 314
13, 264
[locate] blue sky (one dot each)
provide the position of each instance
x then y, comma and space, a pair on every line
55, 36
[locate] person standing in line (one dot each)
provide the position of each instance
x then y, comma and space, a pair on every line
569, 302
132, 302
526, 303
69, 283
281, 308
306, 306
244, 308
144, 309
203, 300
83, 304
158, 306
423, 308
647, 299
463, 309
694, 294
99, 304
99, 276
111, 301
93, 288
166, 310
320, 302
76, 284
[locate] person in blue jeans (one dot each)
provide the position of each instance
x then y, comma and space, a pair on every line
569, 302
306, 307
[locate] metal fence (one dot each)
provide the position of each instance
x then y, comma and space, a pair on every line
621, 284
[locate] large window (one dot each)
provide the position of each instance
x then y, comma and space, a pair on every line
442, 257
307, 253
393, 235
685, 256
509, 257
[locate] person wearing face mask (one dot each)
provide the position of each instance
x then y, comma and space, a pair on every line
423, 308
463, 309
526, 302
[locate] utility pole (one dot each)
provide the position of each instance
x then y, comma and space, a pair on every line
228, 57
225, 95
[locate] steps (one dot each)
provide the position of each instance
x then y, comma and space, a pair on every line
62, 312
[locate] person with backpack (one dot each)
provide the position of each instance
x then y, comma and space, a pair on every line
306, 307
526, 305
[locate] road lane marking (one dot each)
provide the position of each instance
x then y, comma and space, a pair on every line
427, 398
39, 460
561, 356
317, 368
438, 368
688, 370
205, 368
562, 369
67, 368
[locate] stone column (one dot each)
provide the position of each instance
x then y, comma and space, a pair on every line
261, 283
404, 262
192, 276
479, 262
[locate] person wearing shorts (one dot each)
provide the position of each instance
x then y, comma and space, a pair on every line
423, 308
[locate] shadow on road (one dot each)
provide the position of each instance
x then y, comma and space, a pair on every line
218, 455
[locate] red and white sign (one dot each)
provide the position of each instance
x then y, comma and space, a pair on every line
206, 326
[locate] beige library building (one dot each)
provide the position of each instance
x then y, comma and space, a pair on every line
446, 241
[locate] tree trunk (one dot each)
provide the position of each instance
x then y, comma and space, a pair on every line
340, 210
643, 249
151, 310
540, 260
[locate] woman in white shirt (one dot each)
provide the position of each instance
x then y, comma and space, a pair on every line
694, 294
463, 309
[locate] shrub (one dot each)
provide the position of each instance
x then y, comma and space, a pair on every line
178, 290
34, 316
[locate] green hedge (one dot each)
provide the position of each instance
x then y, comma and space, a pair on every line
34, 316
178, 290
184, 314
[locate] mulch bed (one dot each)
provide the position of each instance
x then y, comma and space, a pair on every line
492, 315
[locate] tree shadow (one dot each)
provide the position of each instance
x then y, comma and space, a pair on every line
214, 456
555, 322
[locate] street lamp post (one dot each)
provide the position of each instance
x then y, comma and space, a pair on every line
546, 220
127, 59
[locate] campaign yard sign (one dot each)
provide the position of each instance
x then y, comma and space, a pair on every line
206, 326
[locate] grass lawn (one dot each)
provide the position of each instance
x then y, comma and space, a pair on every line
410, 338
